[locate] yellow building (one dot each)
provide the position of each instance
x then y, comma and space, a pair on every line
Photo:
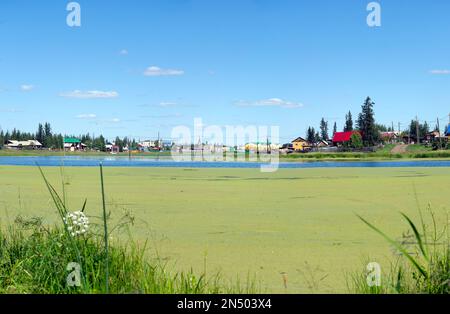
300, 144
261, 146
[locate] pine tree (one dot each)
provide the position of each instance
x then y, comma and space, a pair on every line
324, 130
348, 122
40, 134
317, 138
311, 135
47, 135
367, 125
334, 128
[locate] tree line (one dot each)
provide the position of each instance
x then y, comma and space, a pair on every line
50, 140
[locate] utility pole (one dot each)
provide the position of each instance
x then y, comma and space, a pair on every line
439, 131
129, 147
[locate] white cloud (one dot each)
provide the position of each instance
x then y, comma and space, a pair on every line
123, 52
163, 116
87, 116
440, 72
156, 71
10, 110
167, 104
271, 102
90, 94
26, 87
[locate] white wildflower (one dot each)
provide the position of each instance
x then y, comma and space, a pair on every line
77, 223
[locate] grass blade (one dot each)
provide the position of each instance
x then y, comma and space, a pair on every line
84, 206
105, 226
417, 235
421, 270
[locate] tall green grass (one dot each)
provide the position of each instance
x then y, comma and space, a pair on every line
423, 262
34, 259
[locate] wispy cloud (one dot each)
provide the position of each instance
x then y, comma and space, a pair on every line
271, 102
106, 121
26, 87
123, 52
10, 110
440, 72
167, 104
163, 116
157, 71
90, 94
87, 116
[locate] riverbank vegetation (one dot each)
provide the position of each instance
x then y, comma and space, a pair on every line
295, 224
35, 258
421, 264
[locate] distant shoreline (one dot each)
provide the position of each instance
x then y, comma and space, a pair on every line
341, 156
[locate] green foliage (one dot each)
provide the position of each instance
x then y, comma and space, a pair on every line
367, 125
378, 155
417, 126
356, 141
348, 122
324, 130
311, 135
424, 268
48, 139
34, 259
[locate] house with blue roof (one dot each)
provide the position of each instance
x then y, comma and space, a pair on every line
447, 133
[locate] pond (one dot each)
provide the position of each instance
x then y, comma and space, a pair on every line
82, 161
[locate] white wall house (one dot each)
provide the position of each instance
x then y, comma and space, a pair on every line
30, 144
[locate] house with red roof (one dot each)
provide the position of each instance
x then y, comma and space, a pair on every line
340, 138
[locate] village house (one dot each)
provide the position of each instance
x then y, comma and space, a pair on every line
261, 147
432, 136
321, 144
341, 138
30, 144
73, 144
390, 137
112, 148
147, 145
300, 144
447, 133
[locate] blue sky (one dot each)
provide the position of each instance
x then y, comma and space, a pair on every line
134, 68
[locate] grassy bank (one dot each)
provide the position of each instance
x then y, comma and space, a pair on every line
380, 155
298, 223
421, 263
80, 258
34, 259
413, 152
